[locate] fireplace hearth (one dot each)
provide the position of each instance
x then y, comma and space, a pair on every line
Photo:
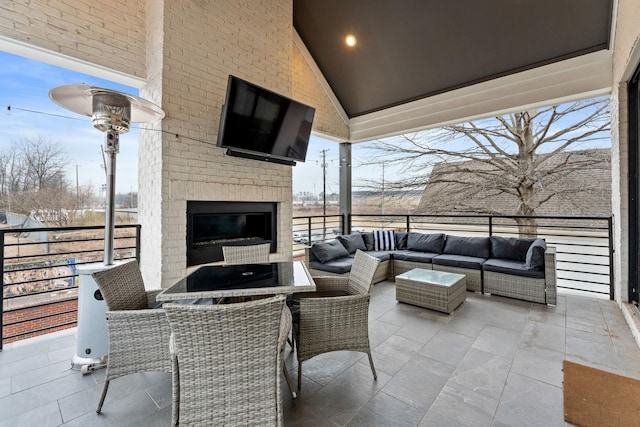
213, 224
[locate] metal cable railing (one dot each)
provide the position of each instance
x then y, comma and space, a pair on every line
38, 268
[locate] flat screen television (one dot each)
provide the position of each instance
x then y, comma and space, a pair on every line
259, 124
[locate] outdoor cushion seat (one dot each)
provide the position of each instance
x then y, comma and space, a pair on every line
459, 261
515, 268
414, 256
338, 266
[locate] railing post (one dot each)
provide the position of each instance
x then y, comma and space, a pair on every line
611, 252
309, 230
138, 229
408, 223
490, 225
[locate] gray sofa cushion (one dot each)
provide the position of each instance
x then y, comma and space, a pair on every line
512, 248
460, 261
469, 246
339, 266
414, 256
535, 255
515, 268
352, 242
425, 242
401, 240
328, 251
368, 240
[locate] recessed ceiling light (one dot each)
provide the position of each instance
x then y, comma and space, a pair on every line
350, 40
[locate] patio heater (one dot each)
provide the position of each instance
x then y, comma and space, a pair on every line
112, 112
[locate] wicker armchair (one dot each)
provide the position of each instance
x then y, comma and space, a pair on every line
334, 322
227, 360
248, 254
138, 335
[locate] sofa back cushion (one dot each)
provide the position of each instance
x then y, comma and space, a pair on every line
401, 240
384, 240
368, 240
511, 248
328, 251
352, 242
422, 242
535, 255
478, 247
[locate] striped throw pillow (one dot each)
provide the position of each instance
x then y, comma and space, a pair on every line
384, 240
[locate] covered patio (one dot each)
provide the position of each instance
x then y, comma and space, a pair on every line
494, 362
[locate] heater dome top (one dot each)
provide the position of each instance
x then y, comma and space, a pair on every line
79, 99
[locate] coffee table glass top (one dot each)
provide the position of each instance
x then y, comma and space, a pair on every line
241, 280
442, 278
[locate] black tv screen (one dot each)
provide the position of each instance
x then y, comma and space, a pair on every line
256, 121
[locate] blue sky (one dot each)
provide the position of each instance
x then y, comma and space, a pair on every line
25, 85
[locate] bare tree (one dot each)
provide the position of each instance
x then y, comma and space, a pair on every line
516, 156
32, 181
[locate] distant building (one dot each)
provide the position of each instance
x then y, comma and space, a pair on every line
585, 191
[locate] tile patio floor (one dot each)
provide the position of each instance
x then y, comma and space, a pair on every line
493, 362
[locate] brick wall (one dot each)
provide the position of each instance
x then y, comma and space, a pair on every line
51, 317
108, 33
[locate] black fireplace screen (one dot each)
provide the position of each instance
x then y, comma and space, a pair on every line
211, 225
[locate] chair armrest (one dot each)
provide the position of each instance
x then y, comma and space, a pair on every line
550, 274
149, 325
338, 308
331, 283
285, 327
308, 256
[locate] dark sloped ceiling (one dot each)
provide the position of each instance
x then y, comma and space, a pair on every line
411, 49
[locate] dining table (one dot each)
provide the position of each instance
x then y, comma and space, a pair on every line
218, 282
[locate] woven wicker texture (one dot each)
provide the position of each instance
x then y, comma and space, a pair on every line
429, 295
249, 254
337, 323
474, 277
401, 266
228, 360
541, 290
138, 336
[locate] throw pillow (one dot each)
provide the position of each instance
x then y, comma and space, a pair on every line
512, 248
352, 242
535, 255
328, 251
368, 240
384, 240
401, 240
425, 242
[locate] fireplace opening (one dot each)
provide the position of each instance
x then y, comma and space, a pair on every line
211, 225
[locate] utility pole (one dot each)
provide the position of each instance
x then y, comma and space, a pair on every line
324, 165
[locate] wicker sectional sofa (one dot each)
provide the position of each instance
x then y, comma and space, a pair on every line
508, 266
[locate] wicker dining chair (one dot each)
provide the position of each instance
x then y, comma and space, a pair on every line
138, 334
247, 254
336, 316
226, 362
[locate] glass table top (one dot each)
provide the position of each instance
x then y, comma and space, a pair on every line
442, 278
241, 280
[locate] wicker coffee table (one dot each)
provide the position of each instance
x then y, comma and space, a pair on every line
437, 290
